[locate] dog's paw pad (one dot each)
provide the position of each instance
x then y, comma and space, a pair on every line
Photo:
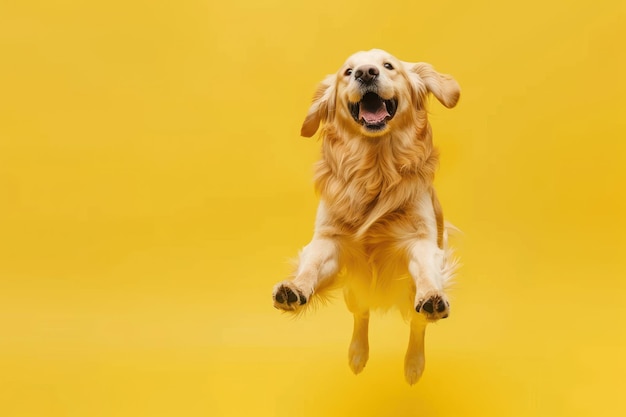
434, 307
288, 297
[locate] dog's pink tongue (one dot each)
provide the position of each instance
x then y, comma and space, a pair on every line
375, 116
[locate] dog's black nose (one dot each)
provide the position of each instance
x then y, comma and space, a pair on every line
366, 73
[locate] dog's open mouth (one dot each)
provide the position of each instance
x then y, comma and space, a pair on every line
372, 111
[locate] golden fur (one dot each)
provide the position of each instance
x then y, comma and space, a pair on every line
379, 231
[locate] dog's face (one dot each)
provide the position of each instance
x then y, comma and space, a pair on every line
370, 86
373, 92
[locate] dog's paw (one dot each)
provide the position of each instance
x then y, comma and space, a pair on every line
413, 368
434, 306
287, 296
358, 354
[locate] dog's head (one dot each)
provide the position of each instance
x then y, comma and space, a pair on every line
374, 91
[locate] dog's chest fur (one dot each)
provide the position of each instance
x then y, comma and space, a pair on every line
364, 180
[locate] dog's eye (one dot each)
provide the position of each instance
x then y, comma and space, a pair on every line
348, 72
388, 66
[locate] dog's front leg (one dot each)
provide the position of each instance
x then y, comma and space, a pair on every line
426, 266
319, 263
427, 260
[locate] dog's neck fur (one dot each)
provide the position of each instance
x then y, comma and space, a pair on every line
361, 180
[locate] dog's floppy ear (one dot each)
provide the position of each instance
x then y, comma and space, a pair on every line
323, 107
442, 86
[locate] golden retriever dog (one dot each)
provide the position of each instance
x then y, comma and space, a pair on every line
379, 232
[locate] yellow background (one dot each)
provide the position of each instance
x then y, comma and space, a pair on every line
153, 185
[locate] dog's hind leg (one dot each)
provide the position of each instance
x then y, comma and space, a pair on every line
358, 353
414, 359
357, 295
